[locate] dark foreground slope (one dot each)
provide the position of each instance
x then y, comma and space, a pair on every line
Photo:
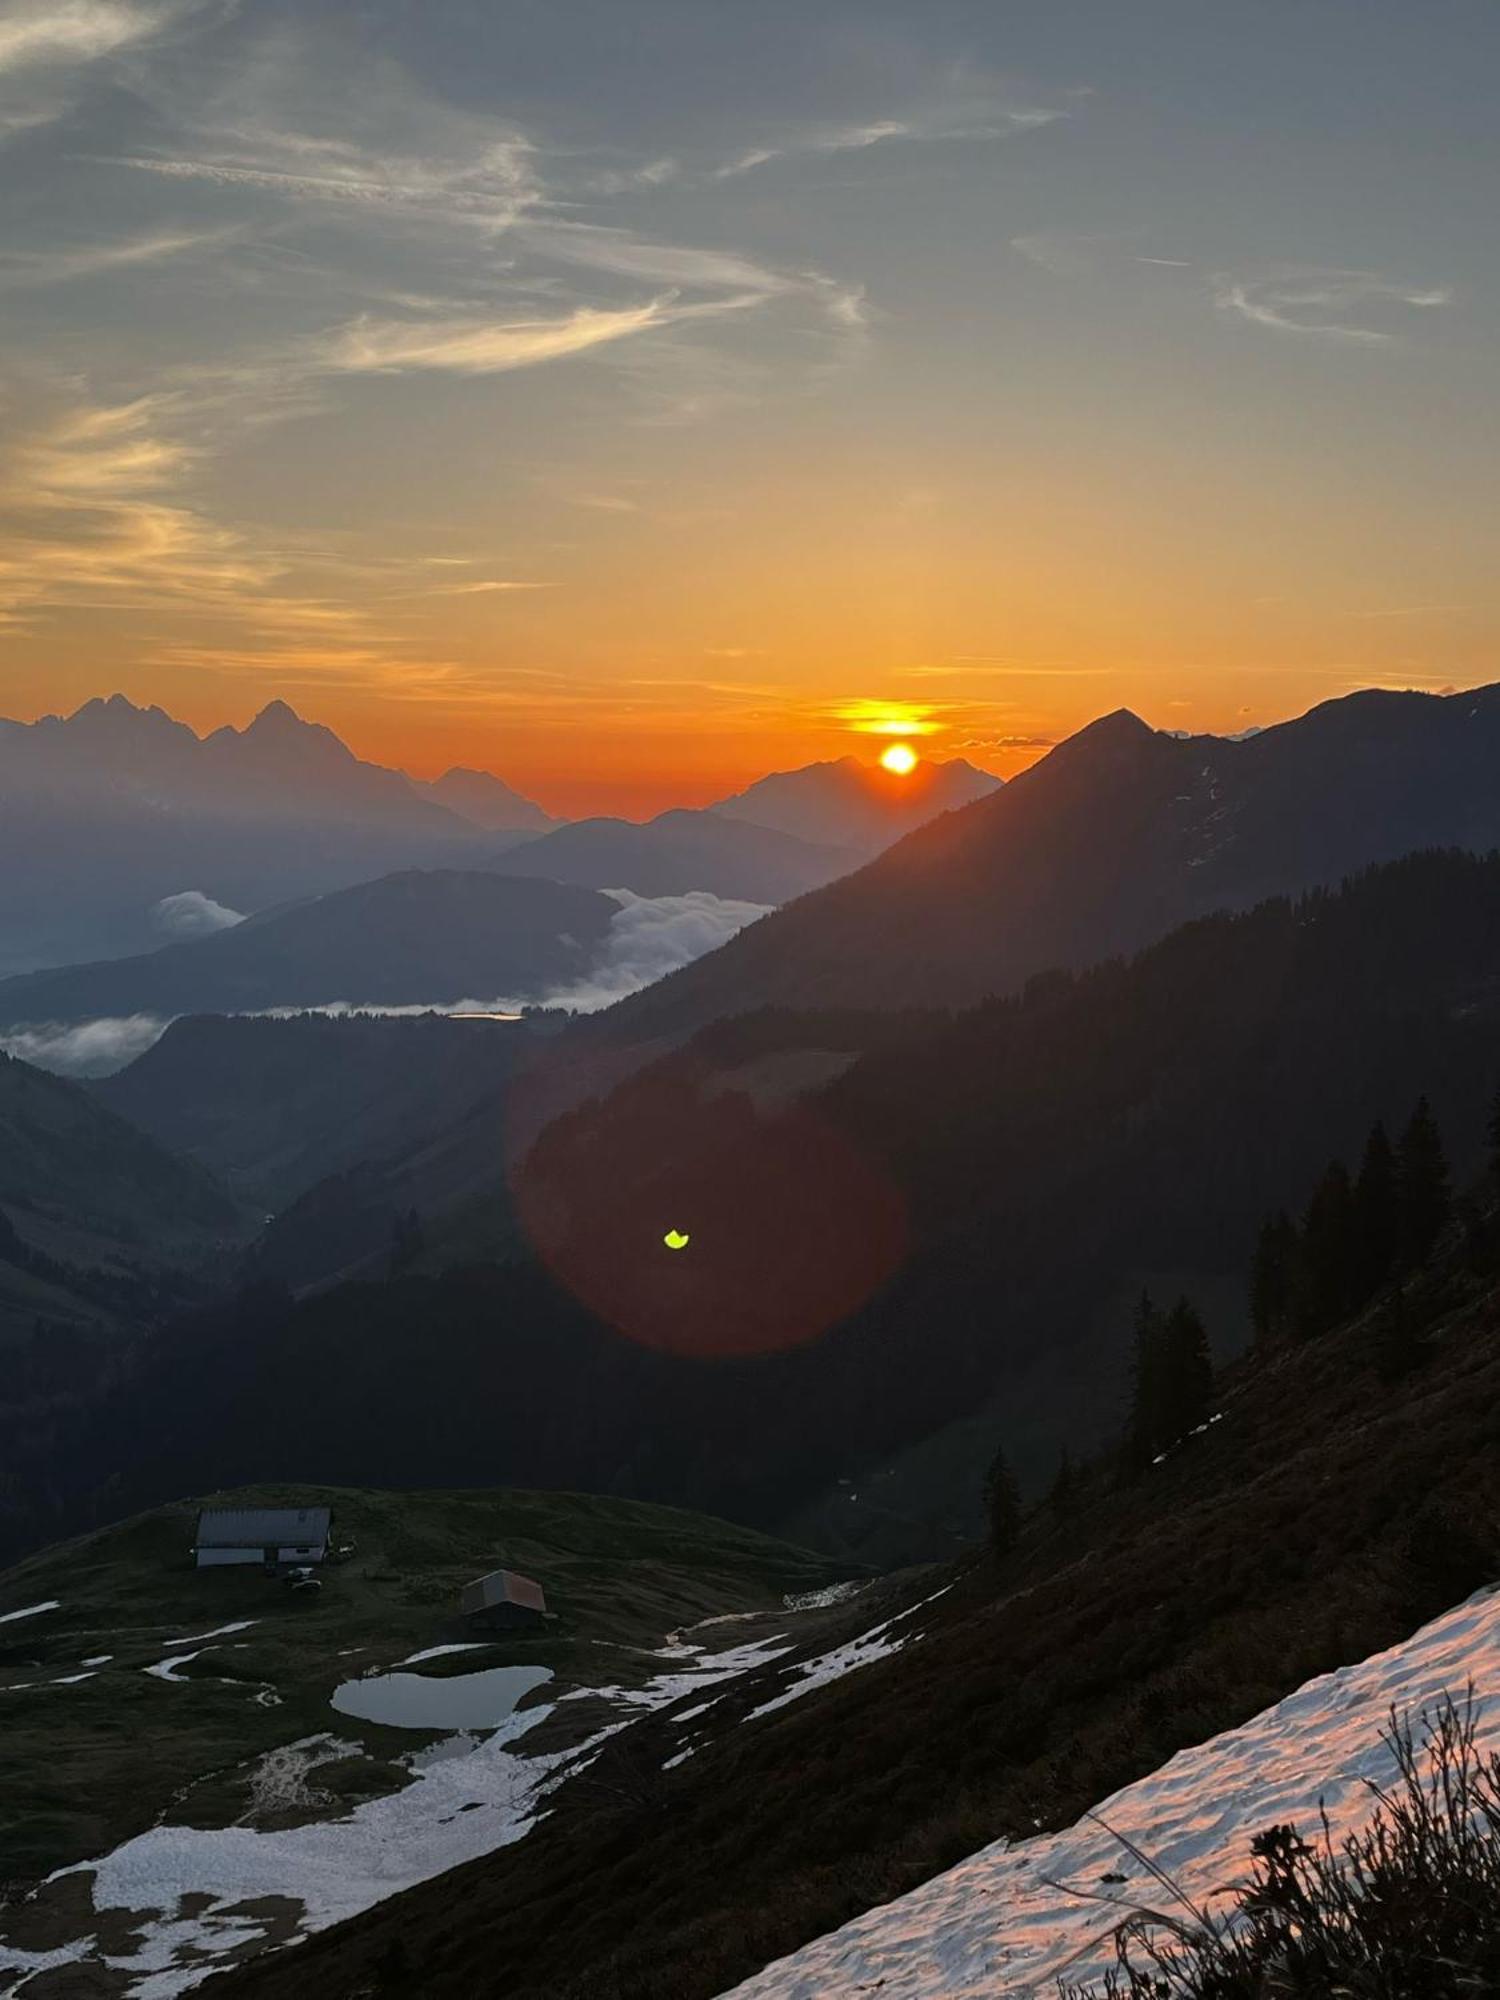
1116, 836
951, 1215
1328, 1513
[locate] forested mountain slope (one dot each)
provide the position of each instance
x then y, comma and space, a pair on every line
960, 1217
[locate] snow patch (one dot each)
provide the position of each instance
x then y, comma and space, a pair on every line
1000, 1927
30, 1611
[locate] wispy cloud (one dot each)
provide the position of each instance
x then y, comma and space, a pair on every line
1324, 302
1067, 253
60, 264
949, 119
38, 33
491, 346
50, 48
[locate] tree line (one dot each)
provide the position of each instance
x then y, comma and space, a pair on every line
1360, 1235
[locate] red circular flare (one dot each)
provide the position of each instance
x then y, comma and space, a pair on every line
792, 1227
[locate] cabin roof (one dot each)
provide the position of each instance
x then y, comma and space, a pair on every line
259, 1527
505, 1586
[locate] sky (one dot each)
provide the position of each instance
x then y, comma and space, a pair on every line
632, 396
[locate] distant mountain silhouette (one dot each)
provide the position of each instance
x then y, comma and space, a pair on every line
117, 807
118, 810
486, 800
683, 850
406, 939
1117, 835
848, 803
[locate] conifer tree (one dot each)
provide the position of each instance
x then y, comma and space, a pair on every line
1273, 1277
1424, 1192
1377, 1217
1002, 1503
1143, 1428
1325, 1280
1064, 1495
1187, 1373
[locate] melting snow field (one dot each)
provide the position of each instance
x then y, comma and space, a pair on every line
29, 1611
467, 1797
997, 1927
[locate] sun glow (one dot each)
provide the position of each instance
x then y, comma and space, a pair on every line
900, 758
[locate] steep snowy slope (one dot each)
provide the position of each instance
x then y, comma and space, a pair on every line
1008, 1922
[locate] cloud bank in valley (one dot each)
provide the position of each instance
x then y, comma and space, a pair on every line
190, 913
652, 936
649, 937
84, 1048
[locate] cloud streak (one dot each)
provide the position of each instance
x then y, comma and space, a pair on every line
1323, 303
491, 346
959, 120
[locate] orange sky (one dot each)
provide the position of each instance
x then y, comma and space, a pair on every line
632, 417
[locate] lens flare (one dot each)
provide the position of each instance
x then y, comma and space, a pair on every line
677, 1239
900, 758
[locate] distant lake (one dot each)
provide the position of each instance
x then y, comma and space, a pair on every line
425, 1701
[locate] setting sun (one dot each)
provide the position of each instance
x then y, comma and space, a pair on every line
900, 758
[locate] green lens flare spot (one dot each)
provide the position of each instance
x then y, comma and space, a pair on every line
677, 1239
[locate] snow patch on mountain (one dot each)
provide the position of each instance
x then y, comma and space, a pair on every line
1006, 1923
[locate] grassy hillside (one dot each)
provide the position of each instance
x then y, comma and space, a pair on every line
1327, 1514
92, 1761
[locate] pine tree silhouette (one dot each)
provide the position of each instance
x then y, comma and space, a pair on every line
1377, 1216
1273, 1277
1325, 1285
1002, 1503
1425, 1195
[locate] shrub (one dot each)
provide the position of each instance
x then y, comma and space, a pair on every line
1408, 1906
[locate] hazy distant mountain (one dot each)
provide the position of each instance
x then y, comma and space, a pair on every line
683, 850
486, 800
117, 809
407, 939
272, 1105
1117, 835
852, 804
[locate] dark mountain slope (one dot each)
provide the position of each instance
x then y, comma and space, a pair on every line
69, 1164
959, 1218
92, 1211
1108, 842
1327, 1515
272, 1105
419, 936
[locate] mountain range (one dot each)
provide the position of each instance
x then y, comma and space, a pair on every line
1114, 837
137, 830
